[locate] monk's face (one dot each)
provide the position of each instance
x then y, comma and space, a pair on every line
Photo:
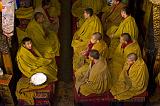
93, 39
28, 45
86, 15
123, 14
130, 61
41, 19
122, 41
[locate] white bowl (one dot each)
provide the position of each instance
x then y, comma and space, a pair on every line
38, 78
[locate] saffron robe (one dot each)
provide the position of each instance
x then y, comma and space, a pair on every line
132, 81
120, 56
48, 46
128, 25
96, 79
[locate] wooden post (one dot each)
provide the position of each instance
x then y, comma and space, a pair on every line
7, 63
65, 35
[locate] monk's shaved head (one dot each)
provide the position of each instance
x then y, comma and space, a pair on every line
97, 35
126, 37
132, 56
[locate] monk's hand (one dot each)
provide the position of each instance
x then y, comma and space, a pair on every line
111, 36
54, 19
83, 52
76, 37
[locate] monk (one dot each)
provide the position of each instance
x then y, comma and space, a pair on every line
111, 17
45, 41
128, 25
133, 80
97, 43
79, 5
82, 36
127, 45
23, 15
51, 11
30, 61
96, 78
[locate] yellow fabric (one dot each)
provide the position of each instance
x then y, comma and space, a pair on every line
79, 60
48, 25
26, 13
55, 9
127, 26
132, 81
20, 34
29, 64
0, 6
24, 90
79, 6
47, 47
120, 56
112, 17
96, 80
102, 48
158, 79
37, 3
90, 26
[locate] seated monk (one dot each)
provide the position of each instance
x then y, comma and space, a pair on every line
133, 80
96, 77
95, 43
45, 41
128, 25
79, 5
82, 36
23, 16
30, 61
51, 11
126, 46
111, 18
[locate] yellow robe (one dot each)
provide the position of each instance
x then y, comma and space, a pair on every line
120, 57
79, 6
24, 90
96, 80
102, 48
90, 26
127, 26
20, 34
48, 46
132, 81
30, 64
54, 12
112, 19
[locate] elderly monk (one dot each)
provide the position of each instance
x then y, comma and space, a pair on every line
133, 80
51, 11
45, 41
128, 25
30, 61
111, 18
96, 78
23, 16
96, 42
79, 6
127, 45
82, 36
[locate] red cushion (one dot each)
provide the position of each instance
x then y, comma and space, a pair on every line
107, 96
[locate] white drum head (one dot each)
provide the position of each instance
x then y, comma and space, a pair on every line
38, 78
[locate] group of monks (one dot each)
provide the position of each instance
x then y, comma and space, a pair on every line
37, 29
114, 65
